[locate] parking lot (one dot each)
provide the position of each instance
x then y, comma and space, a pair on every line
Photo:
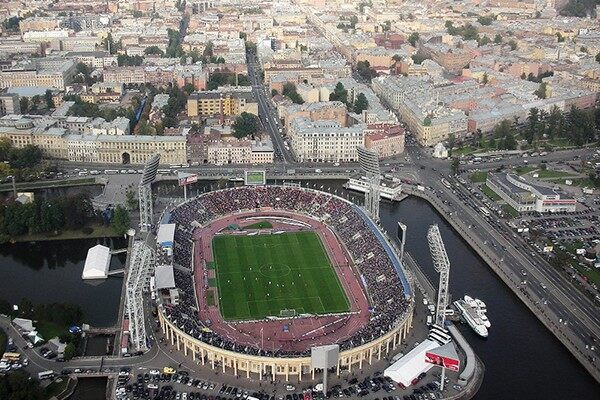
180, 385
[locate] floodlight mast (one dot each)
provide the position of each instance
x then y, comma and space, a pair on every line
369, 163
145, 192
442, 265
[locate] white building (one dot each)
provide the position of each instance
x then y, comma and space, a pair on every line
325, 140
440, 151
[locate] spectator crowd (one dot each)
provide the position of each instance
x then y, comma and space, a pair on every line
389, 302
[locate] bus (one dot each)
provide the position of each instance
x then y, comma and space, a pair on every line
11, 356
446, 183
111, 171
485, 211
46, 375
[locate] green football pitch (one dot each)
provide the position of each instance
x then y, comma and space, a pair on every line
275, 275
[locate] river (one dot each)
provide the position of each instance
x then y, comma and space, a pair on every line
50, 271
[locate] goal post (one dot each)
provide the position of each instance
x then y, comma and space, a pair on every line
287, 313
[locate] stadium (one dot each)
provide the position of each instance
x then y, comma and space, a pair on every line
266, 273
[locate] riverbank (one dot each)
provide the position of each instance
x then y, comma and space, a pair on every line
21, 186
512, 282
98, 231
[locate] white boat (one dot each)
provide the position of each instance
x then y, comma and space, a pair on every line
472, 317
388, 189
481, 305
481, 309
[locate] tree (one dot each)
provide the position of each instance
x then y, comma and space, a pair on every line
413, 38
11, 24
24, 104
18, 385
289, 90
274, 92
486, 19
512, 44
363, 68
598, 57
485, 78
49, 100
245, 125
339, 93
497, 39
483, 40
70, 351
129, 61
109, 44
361, 103
455, 166
208, 49
154, 50
533, 122
542, 91
120, 220
451, 141
130, 201
26, 157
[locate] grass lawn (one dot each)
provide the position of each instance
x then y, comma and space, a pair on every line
591, 273
212, 282
259, 225
261, 275
56, 387
463, 151
548, 173
49, 330
99, 230
478, 176
510, 210
522, 170
490, 193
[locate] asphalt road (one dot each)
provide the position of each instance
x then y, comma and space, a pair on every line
266, 111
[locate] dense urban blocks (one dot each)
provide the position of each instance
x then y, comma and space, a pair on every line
275, 274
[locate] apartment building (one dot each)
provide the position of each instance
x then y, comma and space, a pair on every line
418, 103
226, 101
111, 149
42, 72
386, 139
325, 140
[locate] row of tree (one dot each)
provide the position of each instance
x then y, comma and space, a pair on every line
83, 108
40, 216
225, 78
577, 126
341, 94
17, 158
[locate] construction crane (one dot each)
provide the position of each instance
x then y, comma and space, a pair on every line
442, 266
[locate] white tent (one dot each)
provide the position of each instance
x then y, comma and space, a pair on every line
166, 235
34, 337
97, 263
411, 365
164, 277
25, 325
